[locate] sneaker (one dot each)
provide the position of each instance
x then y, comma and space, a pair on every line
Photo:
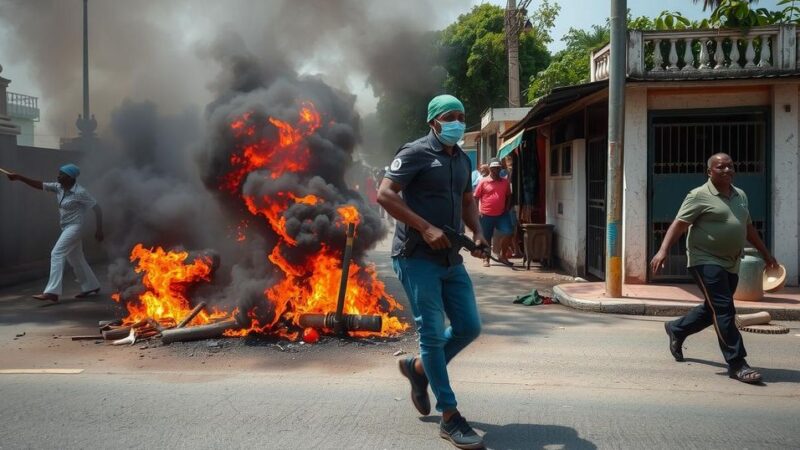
419, 385
675, 344
459, 433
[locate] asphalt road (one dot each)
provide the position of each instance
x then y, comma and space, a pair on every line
538, 377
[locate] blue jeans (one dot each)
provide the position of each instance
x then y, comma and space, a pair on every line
502, 223
436, 291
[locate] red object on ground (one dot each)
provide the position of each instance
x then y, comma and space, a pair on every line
310, 335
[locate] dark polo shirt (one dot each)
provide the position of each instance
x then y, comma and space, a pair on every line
433, 187
718, 232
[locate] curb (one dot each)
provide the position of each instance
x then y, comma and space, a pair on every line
666, 308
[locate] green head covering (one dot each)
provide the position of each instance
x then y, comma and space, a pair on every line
442, 104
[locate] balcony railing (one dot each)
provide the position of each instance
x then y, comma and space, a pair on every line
705, 53
22, 106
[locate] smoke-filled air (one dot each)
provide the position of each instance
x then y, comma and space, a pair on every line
226, 144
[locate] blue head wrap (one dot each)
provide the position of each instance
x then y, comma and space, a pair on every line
71, 170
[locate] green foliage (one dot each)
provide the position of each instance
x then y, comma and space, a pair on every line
571, 65
671, 20
543, 20
741, 14
791, 12
469, 57
476, 60
738, 13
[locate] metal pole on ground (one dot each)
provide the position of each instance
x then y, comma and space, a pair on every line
616, 132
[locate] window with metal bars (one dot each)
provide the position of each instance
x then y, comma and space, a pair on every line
684, 148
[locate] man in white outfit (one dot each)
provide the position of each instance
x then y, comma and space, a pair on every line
73, 204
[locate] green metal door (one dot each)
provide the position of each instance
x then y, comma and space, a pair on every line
680, 143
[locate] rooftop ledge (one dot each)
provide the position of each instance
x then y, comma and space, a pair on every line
705, 54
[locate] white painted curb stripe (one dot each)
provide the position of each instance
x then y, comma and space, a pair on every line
39, 371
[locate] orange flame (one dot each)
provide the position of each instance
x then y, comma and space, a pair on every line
349, 214
167, 277
289, 154
310, 284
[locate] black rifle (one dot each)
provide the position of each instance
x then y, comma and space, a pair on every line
460, 240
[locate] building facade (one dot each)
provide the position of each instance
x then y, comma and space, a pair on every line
23, 110
689, 94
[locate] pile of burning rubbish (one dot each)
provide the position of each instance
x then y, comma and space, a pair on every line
316, 285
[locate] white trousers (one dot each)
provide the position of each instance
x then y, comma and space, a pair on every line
69, 248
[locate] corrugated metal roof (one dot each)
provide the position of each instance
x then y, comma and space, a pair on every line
555, 100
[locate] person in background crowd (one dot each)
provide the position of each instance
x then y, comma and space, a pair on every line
481, 172
509, 243
494, 196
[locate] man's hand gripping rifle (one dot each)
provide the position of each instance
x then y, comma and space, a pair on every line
460, 240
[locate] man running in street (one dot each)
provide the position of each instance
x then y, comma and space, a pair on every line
433, 174
718, 220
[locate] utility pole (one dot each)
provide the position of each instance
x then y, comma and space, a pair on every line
514, 21
85, 124
85, 59
616, 132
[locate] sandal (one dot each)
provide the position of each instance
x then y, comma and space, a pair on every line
91, 293
485, 263
675, 344
51, 297
745, 374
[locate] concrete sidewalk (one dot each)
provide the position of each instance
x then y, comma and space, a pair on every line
667, 300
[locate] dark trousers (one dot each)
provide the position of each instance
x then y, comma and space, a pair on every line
717, 286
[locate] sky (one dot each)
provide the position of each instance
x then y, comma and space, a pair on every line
196, 22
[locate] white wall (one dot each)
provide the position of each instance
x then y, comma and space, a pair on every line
784, 178
25, 136
634, 194
570, 224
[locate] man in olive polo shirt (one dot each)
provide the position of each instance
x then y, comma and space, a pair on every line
427, 188
718, 220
